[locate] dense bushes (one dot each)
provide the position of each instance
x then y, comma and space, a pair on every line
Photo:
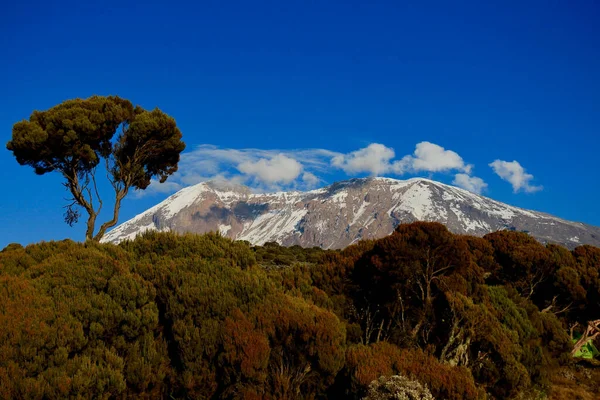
169, 316
77, 322
498, 305
233, 331
189, 317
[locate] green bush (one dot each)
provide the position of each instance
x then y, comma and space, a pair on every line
204, 317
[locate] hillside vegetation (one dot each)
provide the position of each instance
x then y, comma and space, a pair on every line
203, 317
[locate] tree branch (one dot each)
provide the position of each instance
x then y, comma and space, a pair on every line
76, 189
592, 332
120, 195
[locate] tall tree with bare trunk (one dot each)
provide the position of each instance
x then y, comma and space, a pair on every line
77, 136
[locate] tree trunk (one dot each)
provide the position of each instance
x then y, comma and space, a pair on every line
91, 222
109, 224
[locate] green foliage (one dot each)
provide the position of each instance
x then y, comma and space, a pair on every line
79, 323
74, 137
272, 255
526, 263
74, 134
166, 315
400, 279
588, 271
201, 316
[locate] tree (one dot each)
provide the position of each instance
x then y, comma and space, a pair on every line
400, 278
74, 137
525, 263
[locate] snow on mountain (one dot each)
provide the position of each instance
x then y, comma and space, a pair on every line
343, 213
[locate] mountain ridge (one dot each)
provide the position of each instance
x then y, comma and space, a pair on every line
343, 213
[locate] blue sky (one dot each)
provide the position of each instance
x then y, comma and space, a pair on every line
271, 92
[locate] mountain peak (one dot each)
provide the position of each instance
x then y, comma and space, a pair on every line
343, 213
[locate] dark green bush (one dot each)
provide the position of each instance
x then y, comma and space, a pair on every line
201, 316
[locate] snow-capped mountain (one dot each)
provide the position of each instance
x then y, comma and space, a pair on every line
343, 213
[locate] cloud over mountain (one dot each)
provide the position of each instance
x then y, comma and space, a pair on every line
470, 183
514, 173
279, 169
373, 159
301, 169
431, 157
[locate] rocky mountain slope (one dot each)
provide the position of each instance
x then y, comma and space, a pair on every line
343, 213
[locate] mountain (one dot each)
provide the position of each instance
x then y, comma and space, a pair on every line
343, 213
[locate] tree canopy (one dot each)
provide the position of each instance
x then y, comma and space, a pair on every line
76, 136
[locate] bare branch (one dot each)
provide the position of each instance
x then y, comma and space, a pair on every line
553, 305
592, 332
439, 271
97, 192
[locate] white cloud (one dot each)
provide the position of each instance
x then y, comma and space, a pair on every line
209, 159
431, 157
262, 169
377, 159
470, 183
279, 169
374, 159
514, 173
310, 179
303, 169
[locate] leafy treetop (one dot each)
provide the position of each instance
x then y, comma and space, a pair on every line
75, 136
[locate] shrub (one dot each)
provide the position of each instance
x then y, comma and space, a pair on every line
365, 364
397, 387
